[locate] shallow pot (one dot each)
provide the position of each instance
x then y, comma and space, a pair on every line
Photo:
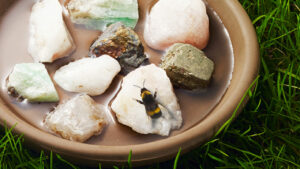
246, 65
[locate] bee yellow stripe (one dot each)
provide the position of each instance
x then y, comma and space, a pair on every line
157, 110
145, 93
151, 113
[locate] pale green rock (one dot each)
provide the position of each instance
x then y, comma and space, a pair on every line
99, 14
31, 81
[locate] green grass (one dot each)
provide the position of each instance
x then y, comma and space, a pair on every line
267, 132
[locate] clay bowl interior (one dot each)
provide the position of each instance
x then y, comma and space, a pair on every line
246, 64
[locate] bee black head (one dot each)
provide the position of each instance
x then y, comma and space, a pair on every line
143, 90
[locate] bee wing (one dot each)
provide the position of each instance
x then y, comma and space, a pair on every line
165, 106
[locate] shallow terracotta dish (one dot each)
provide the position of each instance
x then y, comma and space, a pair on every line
246, 64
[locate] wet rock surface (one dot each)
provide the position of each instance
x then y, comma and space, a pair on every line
88, 75
49, 37
98, 14
31, 81
77, 119
187, 66
177, 21
133, 114
121, 43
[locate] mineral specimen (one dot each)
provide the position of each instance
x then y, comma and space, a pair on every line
98, 14
78, 119
121, 43
187, 66
133, 114
31, 81
49, 37
177, 21
88, 75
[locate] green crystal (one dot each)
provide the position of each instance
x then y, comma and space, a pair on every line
102, 13
31, 81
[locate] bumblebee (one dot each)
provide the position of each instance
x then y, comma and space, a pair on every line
148, 100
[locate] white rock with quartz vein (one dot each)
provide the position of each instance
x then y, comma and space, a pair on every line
133, 114
88, 75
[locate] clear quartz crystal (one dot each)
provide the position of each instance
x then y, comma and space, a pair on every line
77, 119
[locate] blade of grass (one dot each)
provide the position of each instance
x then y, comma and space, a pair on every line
176, 159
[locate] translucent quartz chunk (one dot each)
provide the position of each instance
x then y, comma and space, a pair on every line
78, 119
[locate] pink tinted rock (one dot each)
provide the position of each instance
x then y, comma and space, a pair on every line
177, 21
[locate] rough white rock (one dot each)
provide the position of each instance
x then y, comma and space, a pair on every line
88, 75
49, 36
78, 119
133, 114
177, 21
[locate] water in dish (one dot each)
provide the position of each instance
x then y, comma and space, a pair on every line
158, 111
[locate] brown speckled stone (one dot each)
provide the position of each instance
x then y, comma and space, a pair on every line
122, 43
187, 66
